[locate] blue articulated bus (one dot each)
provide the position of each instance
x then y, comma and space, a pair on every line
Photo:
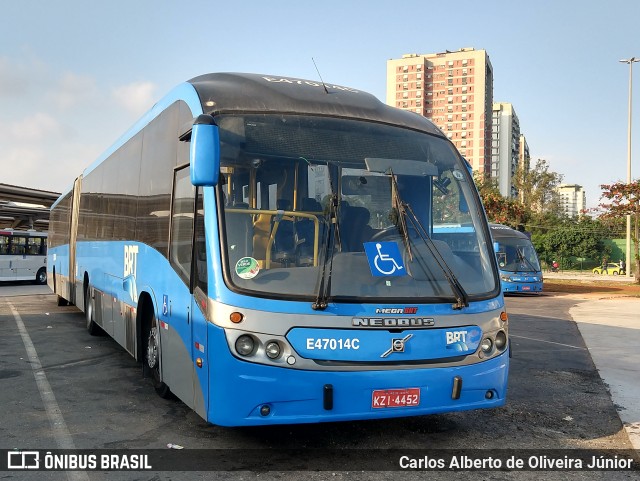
517, 260
268, 248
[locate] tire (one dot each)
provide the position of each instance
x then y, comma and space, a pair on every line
615, 273
41, 276
152, 357
89, 306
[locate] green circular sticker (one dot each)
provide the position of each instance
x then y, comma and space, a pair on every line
247, 268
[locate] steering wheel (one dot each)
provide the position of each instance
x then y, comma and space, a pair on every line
384, 233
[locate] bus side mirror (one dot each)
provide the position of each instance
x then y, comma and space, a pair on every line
205, 152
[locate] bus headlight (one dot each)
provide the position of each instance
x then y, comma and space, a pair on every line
486, 345
245, 345
272, 350
501, 340
505, 278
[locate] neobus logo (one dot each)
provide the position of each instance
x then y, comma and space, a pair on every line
392, 322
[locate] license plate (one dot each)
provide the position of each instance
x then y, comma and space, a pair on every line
395, 398
526, 288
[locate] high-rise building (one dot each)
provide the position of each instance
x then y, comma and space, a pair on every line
505, 148
455, 91
573, 199
524, 160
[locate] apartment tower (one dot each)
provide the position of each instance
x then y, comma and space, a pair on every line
452, 89
573, 199
505, 148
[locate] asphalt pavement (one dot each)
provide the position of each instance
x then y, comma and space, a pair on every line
611, 330
610, 327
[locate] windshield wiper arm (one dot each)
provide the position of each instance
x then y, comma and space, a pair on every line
328, 249
404, 209
525, 260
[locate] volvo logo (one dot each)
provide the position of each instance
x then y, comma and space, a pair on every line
397, 345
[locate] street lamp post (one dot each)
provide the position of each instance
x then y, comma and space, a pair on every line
629, 61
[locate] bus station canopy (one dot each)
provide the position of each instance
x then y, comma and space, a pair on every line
24, 208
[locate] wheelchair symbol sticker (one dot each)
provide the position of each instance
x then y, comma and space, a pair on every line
165, 304
384, 259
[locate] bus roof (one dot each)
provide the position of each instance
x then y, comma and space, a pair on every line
30, 233
255, 93
499, 230
218, 93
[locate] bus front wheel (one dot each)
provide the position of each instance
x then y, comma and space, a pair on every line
152, 359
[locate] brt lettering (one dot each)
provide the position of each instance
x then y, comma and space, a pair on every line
130, 260
456, 337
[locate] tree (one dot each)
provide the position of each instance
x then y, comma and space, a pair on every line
499, 209
624, 200
583, 239
537, 189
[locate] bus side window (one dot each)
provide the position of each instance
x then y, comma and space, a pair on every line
201, 279
182, 224
18, 246
33, 248
4, 245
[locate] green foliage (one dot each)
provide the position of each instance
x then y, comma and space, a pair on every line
500, 210
574, 242
537, 189
624, 200
582, 239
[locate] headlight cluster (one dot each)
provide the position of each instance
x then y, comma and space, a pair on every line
506, 278
493, 344
247, 346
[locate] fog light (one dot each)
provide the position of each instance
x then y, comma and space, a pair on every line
272, 350
488, 395
265, 410
501, 340
245, 345
486, 345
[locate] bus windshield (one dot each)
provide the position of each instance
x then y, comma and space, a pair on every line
303, 207
517, 255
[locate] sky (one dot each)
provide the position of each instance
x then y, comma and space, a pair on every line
75, 75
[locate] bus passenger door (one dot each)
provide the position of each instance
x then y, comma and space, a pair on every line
6, 272
177, 340
199, 306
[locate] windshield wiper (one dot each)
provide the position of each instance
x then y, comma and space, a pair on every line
525, 261
332, 234
405, 210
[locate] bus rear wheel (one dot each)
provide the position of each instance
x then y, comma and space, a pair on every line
89, 305
41, 276
152, 358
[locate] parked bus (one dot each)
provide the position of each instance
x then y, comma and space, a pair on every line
265, 246
517, 260
23, 256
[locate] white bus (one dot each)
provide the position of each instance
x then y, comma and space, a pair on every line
23, 256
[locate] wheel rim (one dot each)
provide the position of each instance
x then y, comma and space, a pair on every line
152, 349
42, 277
